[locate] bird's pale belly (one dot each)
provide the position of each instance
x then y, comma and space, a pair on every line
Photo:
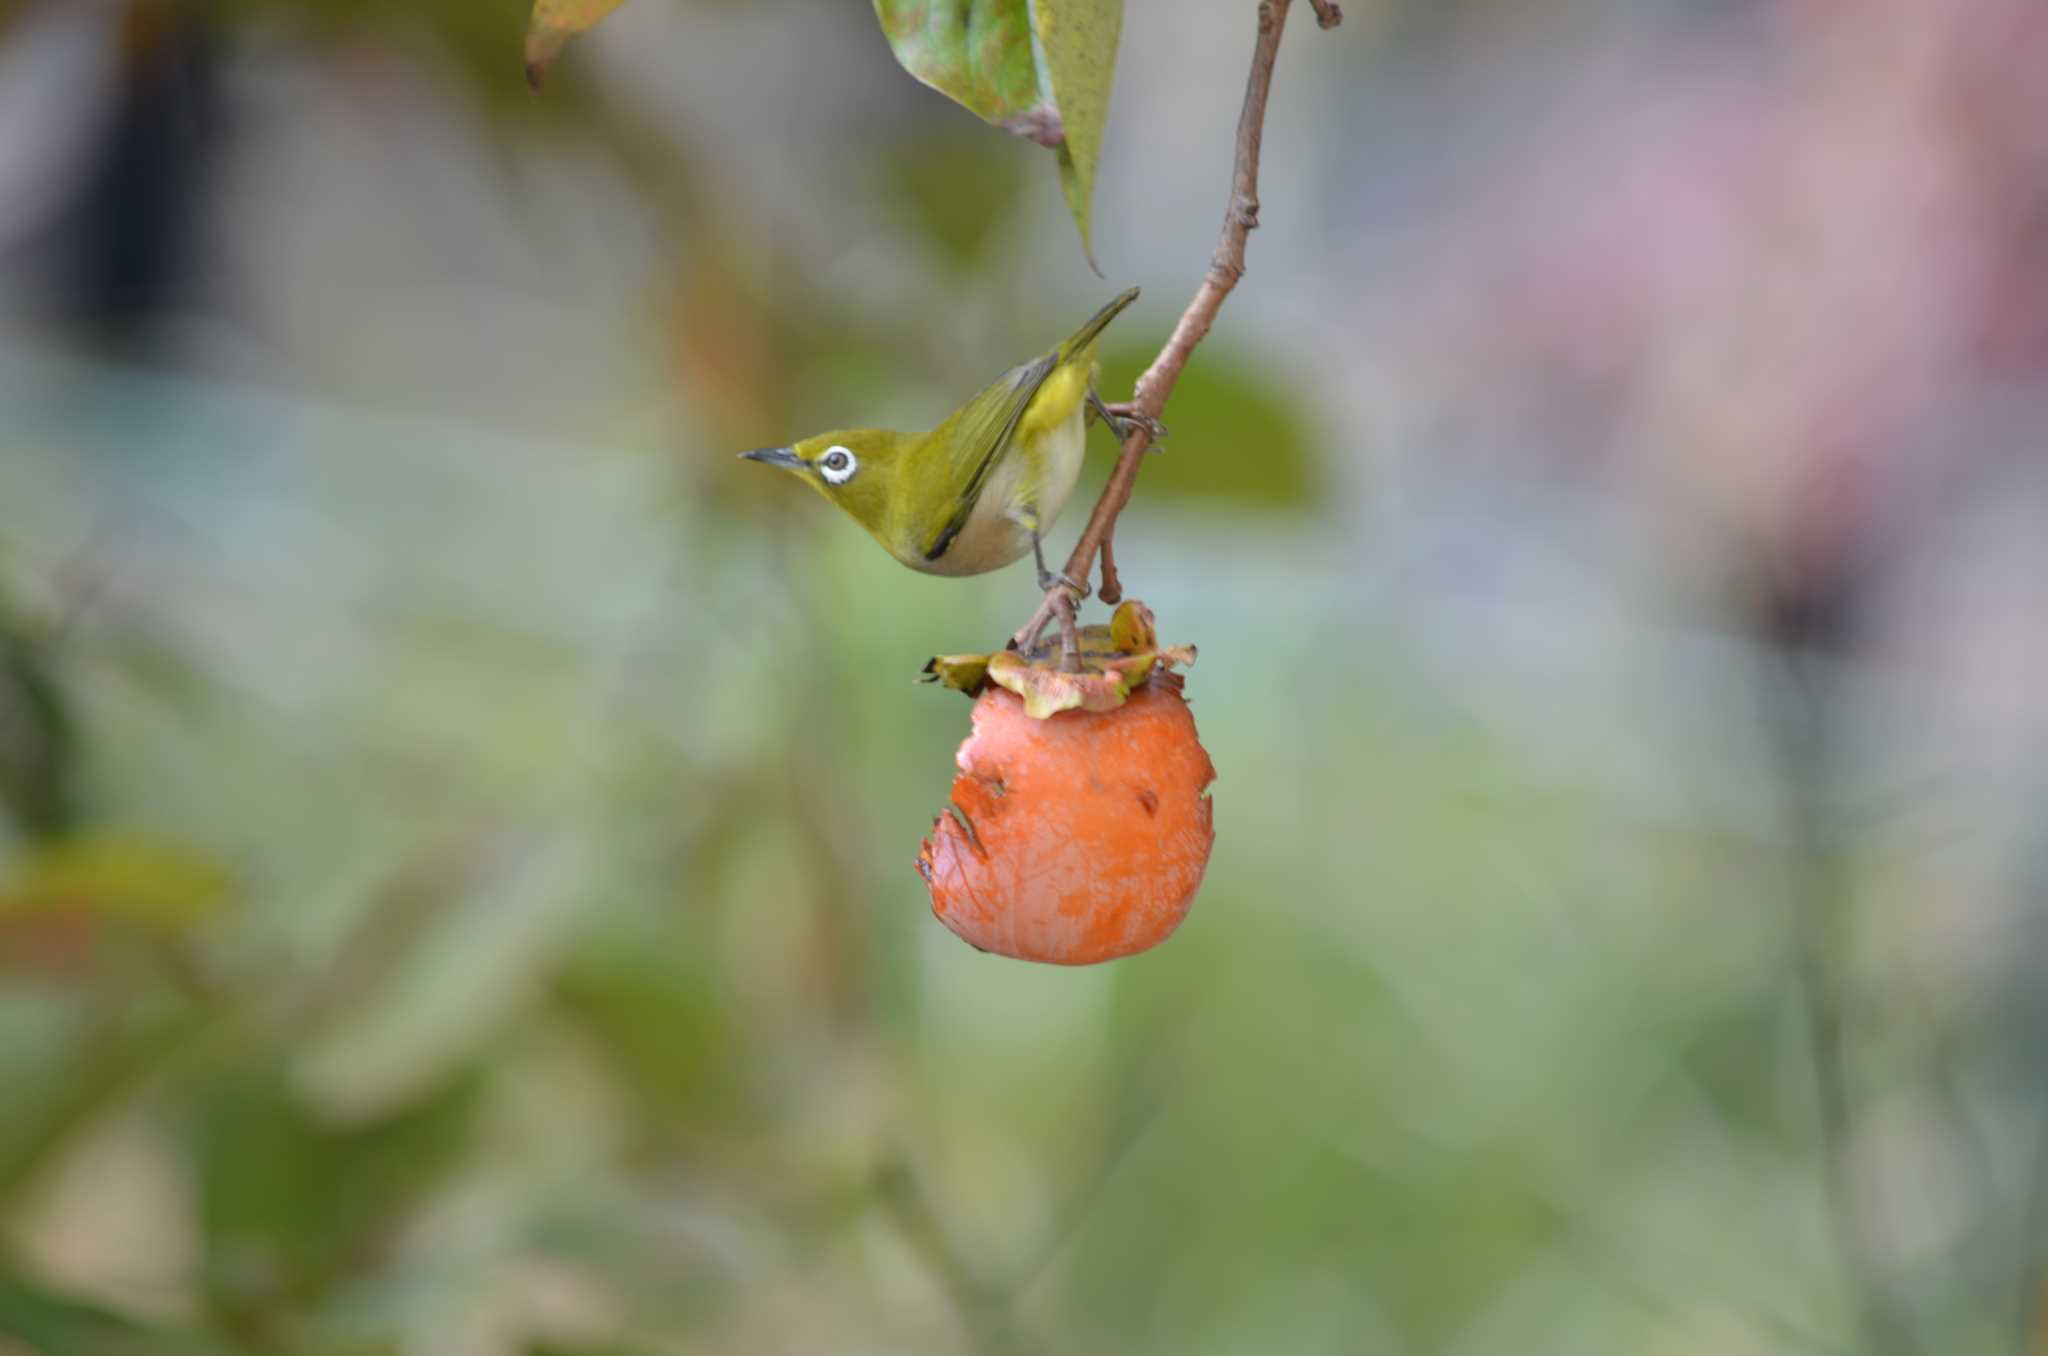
993, 536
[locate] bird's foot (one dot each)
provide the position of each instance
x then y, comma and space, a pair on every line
1048, 580
1129, 416
1123, 417
1061, 598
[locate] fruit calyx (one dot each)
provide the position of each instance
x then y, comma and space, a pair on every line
1114, 660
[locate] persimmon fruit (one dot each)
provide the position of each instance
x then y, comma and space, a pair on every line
1077, 837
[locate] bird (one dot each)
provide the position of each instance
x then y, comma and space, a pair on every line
982, 489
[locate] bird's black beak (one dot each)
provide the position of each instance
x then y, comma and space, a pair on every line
775, 456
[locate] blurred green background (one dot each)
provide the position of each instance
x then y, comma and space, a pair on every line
456, 821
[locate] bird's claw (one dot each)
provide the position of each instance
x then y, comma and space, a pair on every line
1062, 596
1048, 580
1153, 427
1124, 417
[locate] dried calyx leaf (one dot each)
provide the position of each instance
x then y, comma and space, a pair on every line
962, 672
1114, 660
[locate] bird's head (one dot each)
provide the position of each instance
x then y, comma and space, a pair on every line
857, 469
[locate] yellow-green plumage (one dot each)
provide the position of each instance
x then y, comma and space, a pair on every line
975, 493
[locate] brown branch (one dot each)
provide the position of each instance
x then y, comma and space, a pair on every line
1226, 266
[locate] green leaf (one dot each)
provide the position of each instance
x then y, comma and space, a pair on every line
1077, 40
292, 1205
1245, 432
38, 737
978, 54
472, 970
662, 1026
53, 1325
945, 187
80, 1080
554, 22
1041, 69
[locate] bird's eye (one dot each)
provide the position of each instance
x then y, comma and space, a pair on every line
838, 465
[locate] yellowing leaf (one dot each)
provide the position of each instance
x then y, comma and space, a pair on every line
1077, 46
134, 881
554, 22
1130, 627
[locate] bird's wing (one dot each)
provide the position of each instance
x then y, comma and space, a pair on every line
976, 437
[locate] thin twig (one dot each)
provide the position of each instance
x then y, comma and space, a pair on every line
1975, 1140
982, 1308
1226, 266
1806, 764
2033, 1226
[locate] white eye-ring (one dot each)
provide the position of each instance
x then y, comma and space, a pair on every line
838, 465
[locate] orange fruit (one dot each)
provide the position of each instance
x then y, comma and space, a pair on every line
1076, 838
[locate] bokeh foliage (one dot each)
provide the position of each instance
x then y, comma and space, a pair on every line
456, 888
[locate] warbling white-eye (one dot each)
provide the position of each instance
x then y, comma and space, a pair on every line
982, 488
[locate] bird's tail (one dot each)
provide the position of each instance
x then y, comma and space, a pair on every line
1097, 323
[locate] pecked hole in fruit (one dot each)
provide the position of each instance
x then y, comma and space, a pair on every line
966, 826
